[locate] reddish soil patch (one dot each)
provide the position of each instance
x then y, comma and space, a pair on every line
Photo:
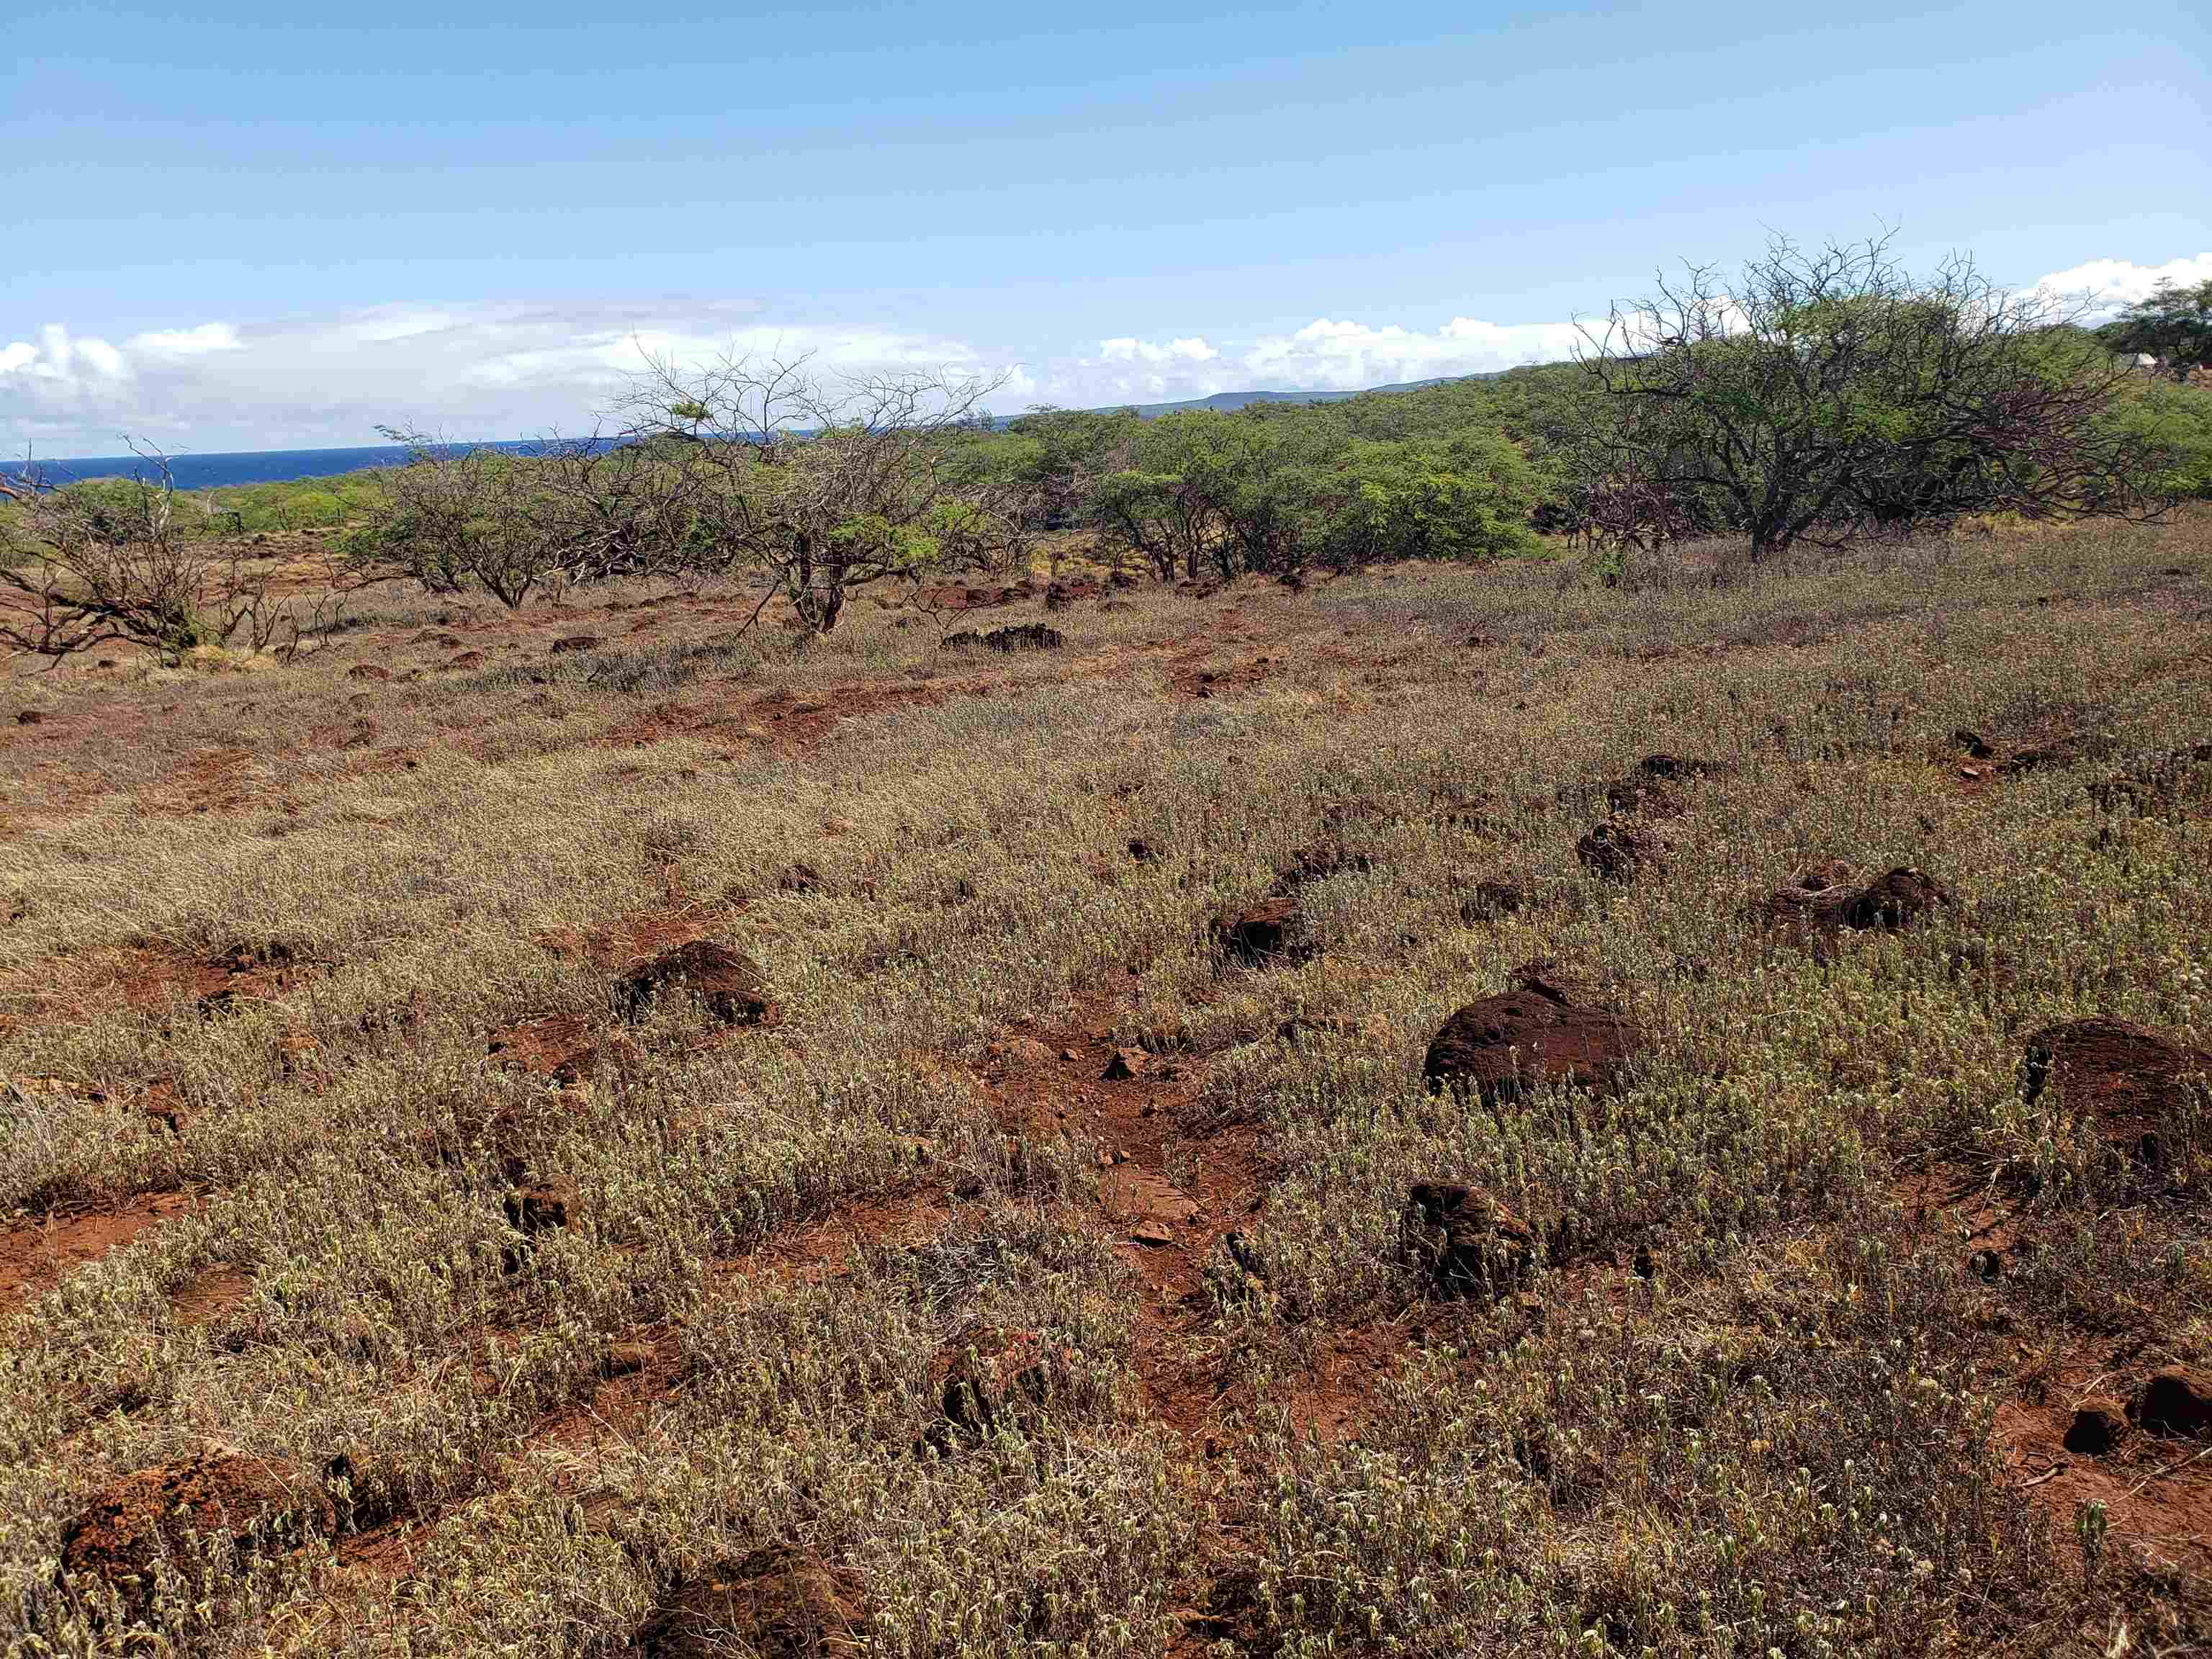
778, 1602
557, 1046
34, 1256
211, 1295
2135, 1084
165, 1512
2066, 1451
1542, 1029
732, 986
1190, 680
1169, 1195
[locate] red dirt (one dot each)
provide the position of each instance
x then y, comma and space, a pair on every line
35, 1256
158, 1512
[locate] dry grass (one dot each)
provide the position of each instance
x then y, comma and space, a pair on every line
293, 910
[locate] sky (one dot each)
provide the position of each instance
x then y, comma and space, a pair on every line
256, 225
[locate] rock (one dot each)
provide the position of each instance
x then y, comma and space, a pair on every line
1974, 745
732, 986
1502, 1045
989, 1379
576, 642
1119, 1069
368, 671
1617, 850
1470, 1245
172, 1510
777, 1603
1265, 935
2133, 1083
540, 1209
2176, 1401
1026, 637
1490, 901
1824, 900
1894, 901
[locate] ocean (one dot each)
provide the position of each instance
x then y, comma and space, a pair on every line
255, 466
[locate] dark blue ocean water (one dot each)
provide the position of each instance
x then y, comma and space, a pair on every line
257, 466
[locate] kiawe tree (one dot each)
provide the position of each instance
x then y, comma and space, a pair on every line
2173, 324
829, 484
1824, 396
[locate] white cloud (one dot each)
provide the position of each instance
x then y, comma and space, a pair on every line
487, 371
1327, 354
2106, 285
515, 369
186, 342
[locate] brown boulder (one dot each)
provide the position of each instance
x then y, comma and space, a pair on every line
1825, 900
1617, 850
991, 1378
1535, 1032
1490, 901
732, 986
2132, 1082
2176, 1401
576, 642
1268, 932
172, 1512
1468, 1243
776, 1603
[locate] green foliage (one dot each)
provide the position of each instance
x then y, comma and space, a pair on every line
2174, 324
2173, 423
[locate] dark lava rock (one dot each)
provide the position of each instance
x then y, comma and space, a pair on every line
1025, 636
2176, 1401
1470, 1245
1825, 900
1617, 850
540, 1209
1502, 1045
732, 986
1893, 900
1265, 934
2134, 1083
777, 1603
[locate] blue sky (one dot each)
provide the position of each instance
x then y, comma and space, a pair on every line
253, 225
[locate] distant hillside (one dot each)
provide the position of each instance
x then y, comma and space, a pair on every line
1225, 401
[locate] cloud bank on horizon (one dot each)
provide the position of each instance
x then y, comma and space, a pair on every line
493, 371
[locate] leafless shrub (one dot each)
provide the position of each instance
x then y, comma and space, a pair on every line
827, 486
112, 565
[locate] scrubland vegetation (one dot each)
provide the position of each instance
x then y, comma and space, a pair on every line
1521, 1099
